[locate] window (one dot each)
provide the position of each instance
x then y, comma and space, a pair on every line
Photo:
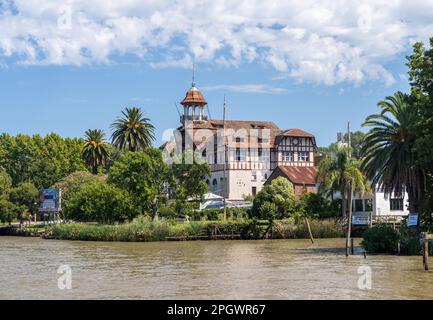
215, 182
262, 140
254, 191
254, 176
396, 204
358, 205
368, 203
240, 155
238, 139
288, 156
204, 153
304, 156
260, 152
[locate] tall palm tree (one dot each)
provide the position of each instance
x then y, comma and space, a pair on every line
94, 150
389, 159
340, 172
133, 131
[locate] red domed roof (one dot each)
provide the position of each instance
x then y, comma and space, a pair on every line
194, 97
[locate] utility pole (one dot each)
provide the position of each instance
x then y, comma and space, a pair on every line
224, 157
349, 216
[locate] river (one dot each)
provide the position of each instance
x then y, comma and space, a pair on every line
265, 269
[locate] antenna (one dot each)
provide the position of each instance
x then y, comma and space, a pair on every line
225, 154
175, 104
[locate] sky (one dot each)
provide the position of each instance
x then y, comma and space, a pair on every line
72, 65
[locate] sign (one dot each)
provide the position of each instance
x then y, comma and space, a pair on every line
412, 219
360, 220
49, 200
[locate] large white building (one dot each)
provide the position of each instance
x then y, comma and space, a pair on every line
247, 153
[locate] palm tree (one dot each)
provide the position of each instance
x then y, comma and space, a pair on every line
389, 159
94, 151
133, 131
341, 173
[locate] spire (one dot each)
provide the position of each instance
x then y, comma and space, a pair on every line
193, 73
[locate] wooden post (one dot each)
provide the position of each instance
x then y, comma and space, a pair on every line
309, 230
425, 254
352, 249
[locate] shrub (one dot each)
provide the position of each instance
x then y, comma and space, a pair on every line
276, 200
100, 202
380, 239
316, 205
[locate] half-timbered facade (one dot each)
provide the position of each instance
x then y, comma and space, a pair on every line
247, 153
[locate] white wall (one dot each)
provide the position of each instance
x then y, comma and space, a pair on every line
382, 205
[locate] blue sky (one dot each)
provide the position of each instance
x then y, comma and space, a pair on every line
304, 66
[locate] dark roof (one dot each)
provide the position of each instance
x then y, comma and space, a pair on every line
296, 133
297, 175
194, 97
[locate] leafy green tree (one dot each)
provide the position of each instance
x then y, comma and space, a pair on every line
189, 180
145, 175
420, 64
8, 211
25, 194
279, 192
5, 183
132, 132
319, 206
389, 157
100, 202
40, 160
340, 173
94, 151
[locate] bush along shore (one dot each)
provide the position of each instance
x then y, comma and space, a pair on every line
385, 239
141, 230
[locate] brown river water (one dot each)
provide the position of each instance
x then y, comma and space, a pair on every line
265, 269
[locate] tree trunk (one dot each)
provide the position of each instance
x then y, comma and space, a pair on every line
343, 203
349, 219
155, 209
95, 170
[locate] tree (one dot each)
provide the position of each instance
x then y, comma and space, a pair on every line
25, 197
5, 183
279, 192
8, 211
40, 160
335, 174
145, 176
342, 173
133, 131
100, 202
189, 180
420, 71
389, 158
94, 151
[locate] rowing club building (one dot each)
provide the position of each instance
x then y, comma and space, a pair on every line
244, 155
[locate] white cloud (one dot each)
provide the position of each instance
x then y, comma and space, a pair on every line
247, 88
327, 42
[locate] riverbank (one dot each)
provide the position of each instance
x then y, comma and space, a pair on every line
142, 230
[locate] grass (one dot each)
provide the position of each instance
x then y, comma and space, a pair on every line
141, 230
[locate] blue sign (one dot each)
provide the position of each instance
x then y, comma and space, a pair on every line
412, 219
49, 200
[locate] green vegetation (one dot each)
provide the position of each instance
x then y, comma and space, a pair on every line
132, 132
100, 202
40, 160
380, 239
95, 153
142, 229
